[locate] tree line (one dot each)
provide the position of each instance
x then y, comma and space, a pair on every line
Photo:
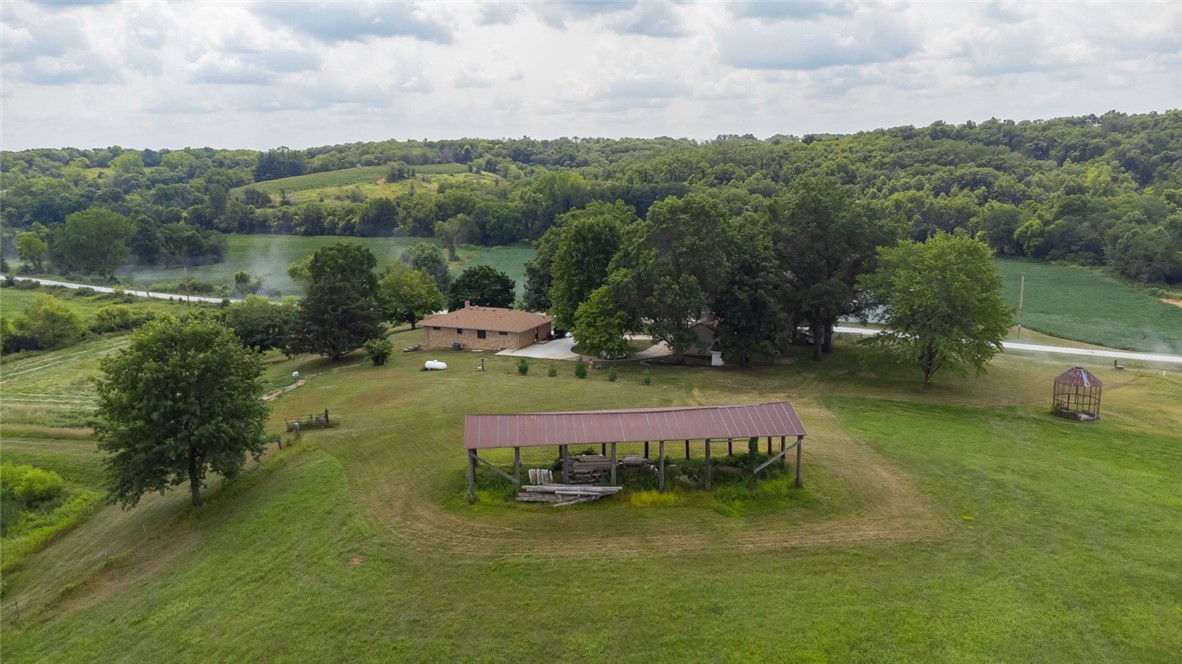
1094, 190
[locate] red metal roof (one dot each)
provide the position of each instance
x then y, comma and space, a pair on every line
633, 425
1078, 377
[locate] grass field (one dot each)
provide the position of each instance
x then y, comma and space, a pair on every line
1084, 305
956, 524
16, 300
269, 255
368, 180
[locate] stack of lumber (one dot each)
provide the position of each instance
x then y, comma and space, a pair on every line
635, 461
540, 476
589, 468
560, 495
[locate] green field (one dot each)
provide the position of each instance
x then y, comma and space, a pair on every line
368, 180
956, 524
16, 300
1085, 305
269, 255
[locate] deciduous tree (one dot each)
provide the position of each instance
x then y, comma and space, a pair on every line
408, 295
181, 402
588, 240
429, 258
94, 241
49, 322
481, 285
941, 303
341, 310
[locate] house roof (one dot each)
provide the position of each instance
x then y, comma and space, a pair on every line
489, 318
638, 424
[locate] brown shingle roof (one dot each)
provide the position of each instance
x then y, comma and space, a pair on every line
619, 426
489, 318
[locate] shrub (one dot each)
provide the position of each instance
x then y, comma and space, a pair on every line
552, 372
378, 351
28, 484
522, 366
580, 368
611, 374
646, 377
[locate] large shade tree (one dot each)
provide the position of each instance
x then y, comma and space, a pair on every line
341, 310
941, 301
94, 241
671, 266
183, 400
588, 240
483, 286
408, 295
825, 238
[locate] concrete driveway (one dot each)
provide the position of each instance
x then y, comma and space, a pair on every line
557, 349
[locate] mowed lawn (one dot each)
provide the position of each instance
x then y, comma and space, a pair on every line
1085, 305
269, 255
956, 524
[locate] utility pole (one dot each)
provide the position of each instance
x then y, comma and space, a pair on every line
1021, 298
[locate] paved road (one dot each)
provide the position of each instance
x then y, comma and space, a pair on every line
129, 291
1151, 358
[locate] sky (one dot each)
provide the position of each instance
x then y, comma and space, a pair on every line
154, 74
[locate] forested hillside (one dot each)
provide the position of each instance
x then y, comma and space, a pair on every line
1094, 190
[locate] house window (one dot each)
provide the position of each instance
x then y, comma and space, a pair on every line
459, 331
503, 334
479, 334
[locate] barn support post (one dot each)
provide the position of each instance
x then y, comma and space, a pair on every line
471, 476
646, 449
565, 453
603, 449
769, 445
730, 447
799, 444
687, 449
783, 457
709, 468
613, 464
517, 464
661, 469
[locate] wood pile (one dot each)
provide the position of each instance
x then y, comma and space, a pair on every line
589, 468
541, 476
560, 495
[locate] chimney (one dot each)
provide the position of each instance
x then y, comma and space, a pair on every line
467, 304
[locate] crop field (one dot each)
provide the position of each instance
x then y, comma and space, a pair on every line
269, 255
1084, 305
367, 180
960, 523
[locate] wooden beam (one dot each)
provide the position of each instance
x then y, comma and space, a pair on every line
799, 445
565, 464
769, 445
517, 464
471, 476
687, 449
776, 458
498, 471
709, 467
603, 449
783, 459
730, 447
661, 469
613, 464
646, 449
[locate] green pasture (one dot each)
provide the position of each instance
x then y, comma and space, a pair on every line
1086, 305
85, 304
269, 255
368, 180
960, 523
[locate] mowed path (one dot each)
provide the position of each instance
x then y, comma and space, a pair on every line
861, 497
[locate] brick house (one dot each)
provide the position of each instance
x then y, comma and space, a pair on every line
486, 328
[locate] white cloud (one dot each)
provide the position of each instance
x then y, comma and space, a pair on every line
260, 74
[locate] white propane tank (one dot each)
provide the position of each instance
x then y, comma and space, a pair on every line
435, 365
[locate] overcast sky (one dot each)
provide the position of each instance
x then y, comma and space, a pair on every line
264, 74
